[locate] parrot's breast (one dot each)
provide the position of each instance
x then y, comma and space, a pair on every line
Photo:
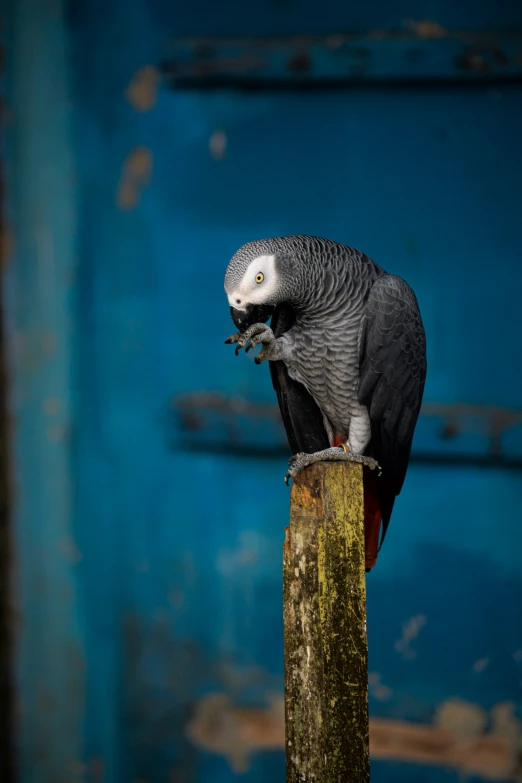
325, 359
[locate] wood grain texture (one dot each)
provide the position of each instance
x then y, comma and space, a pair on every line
326, 648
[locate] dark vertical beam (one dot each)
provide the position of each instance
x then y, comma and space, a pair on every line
6, 647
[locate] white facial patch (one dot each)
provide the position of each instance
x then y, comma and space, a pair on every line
250, 292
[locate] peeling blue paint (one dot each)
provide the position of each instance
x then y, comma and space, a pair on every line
148, 576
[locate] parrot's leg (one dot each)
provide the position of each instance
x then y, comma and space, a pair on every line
334, 454
254, 335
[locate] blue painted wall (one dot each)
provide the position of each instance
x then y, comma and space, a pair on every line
148, 573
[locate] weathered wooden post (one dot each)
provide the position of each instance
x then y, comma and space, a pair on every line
326, 649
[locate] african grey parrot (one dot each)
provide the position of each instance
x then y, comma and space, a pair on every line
347, 355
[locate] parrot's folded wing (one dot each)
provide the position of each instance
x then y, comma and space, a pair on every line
393, 371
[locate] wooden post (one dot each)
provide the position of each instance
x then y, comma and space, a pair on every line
326, 648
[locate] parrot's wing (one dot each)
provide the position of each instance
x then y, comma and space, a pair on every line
392, 374
301, 416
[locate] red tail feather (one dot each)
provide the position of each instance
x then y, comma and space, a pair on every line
372, 512
372, 516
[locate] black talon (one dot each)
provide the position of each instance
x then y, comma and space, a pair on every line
237, 350
257, 360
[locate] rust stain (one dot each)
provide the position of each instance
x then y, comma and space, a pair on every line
142, 92
307, 499
425, 28
301, 62
457, 739
287, 543
334, 41
136, 175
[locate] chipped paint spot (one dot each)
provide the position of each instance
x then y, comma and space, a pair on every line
235, 732
410, 631
504, 722
377, 689
246, 554
480, 665
221, 727
466, 721
142, 92
425, 28
135, 177
218, 144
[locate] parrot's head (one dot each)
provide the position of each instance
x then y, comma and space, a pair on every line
268, 272
252, 286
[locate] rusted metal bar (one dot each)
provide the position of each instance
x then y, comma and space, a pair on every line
326, 648
449, 433
424, 51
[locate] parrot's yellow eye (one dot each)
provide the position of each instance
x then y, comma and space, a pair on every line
260, 277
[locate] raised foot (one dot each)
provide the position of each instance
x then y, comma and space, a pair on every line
255, 335
334, 454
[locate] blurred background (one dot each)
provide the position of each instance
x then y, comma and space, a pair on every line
142, 502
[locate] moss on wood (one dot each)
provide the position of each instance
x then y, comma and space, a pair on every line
326, 649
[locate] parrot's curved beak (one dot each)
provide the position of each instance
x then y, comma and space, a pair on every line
253, 314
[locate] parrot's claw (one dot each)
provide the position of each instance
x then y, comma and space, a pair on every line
252, 337
296, 457
334, 454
